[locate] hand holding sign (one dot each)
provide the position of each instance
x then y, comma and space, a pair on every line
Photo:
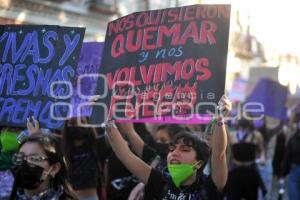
225, 107
33, 126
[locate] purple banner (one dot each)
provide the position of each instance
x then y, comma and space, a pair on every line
272, 96
86, 78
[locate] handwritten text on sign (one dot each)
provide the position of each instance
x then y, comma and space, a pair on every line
169, 58
37, 65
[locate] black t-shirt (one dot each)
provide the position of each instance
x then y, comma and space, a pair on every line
85, 165
120, 180
161, 187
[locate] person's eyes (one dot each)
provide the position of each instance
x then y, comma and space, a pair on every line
185, 148
35, 158
172, 147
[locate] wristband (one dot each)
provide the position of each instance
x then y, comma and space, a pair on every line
221, 122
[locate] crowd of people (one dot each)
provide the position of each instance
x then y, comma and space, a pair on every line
221, 160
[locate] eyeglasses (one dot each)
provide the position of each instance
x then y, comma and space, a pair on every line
19, 158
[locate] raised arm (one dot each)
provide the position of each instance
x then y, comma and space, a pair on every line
136, 142
127, 130
134, 164
219, 144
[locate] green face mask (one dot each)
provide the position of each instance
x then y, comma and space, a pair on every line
181, 172
9, 141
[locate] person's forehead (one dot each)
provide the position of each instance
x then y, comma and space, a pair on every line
180, 142
162, 132
32, 148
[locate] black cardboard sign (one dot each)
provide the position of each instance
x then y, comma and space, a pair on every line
169, 62
37, 66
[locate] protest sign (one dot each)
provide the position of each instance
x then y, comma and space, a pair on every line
37, 68
86, 78
164, 63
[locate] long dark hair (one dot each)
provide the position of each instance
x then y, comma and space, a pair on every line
201, 147
68, 140
51, 145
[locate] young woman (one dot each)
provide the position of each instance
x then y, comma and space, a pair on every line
184, 178
40, 171
157, 157
80, 148
245, 144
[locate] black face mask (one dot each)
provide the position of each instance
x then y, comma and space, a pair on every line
77, 133
162, 149
27, 177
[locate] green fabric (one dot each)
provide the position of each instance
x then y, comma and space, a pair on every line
181, 172
210, 127
9, 141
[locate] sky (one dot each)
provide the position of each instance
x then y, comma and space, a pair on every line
273, 22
